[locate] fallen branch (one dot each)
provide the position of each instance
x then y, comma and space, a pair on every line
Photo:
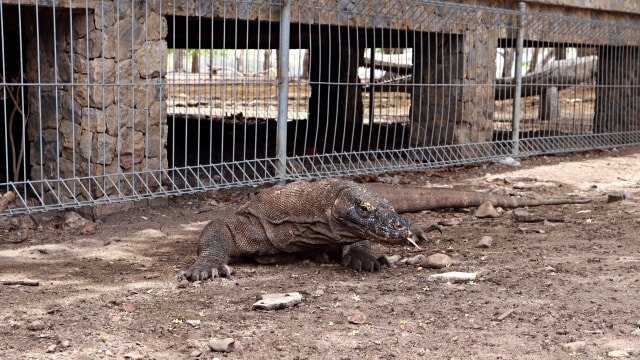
25, 282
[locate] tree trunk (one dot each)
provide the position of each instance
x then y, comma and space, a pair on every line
195, 62
560, 73
178, 59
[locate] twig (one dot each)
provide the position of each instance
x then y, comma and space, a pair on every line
25, 282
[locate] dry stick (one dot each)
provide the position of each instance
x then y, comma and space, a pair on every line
16, 163
25, 282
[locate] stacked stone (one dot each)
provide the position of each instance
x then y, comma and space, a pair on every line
106, 116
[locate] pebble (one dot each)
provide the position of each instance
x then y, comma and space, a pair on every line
133, 355
619, 197
618, 354
358, 317
415, 259
573, 346
486, 210
485, 242
448, 222
36, 325
183, 283
222, 345
195, 353
519, 185
194, 323
52, 348
65, 344
73, 220
393, 259
436, 261
277, 301
636, 332
521, 214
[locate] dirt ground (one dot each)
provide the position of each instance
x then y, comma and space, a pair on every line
562, 290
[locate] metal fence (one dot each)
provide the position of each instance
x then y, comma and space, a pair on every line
111, 101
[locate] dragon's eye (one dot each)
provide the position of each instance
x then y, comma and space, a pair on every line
365, 207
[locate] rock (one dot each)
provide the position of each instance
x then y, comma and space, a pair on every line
448, 222
195, 353
73, 220
52, 348
134, 356
277, 301
519, 185
194, 323
36, 325
636, 332
618, 197
358, 317
485, 242
393, 259
573, 346
452, 277
65, 344
521, 214
618, 354
486, 210
222, 345
183, 283
436, 261
415, 259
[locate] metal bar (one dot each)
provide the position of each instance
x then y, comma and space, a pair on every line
283, 92
515, 130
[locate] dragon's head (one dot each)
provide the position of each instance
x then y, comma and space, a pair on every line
365, 215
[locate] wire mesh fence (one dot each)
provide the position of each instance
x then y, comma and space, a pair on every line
106, 102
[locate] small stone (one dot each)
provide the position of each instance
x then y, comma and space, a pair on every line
194, 323
618, 354
448, 222
519, 185
183, 283
358, 317
133, 355
548, 223
73, 220
393, 259
415, 259
486, 210
520, 214
573, 346
619, 197
278, 301
485, 242
65, 344
36, 325
636, 332
222, 345
436, 261
195, 353
52, 348
108, 353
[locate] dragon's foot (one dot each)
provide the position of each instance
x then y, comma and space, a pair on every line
202, 271
358, 257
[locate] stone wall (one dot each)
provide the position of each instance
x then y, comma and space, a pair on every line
455, 103
101, 108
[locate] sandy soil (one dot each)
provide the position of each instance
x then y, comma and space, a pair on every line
562, 290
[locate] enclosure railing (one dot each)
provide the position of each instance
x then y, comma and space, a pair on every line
106, 102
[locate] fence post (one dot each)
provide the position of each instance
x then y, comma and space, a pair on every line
283, 91
515, 129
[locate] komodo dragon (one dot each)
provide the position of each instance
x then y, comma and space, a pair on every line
316, 217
